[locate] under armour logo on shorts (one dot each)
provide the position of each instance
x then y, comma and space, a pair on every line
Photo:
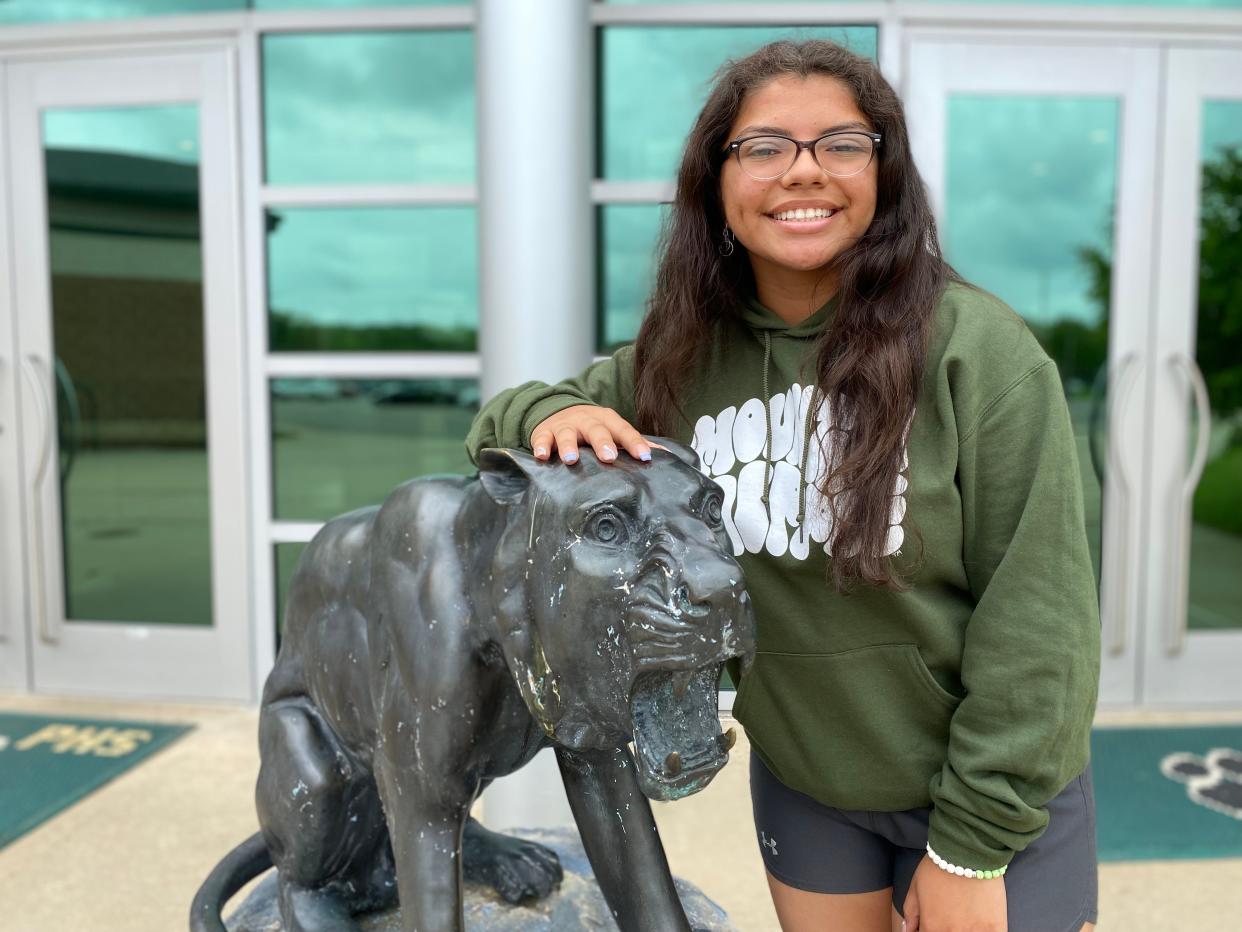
769, 843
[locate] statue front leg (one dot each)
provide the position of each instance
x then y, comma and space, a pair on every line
619, 835
425, 831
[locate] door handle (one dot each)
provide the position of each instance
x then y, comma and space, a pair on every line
1182, 499
48, 630
1117, 566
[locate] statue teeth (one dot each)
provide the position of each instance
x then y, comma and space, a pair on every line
672, 764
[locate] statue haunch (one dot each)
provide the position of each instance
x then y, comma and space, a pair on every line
439, 641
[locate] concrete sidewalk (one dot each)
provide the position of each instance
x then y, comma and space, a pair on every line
130, 856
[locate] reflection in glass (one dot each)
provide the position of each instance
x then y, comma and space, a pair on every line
654, 79
391, 278
1216, 531
286, 560
346, 4
1218, 4
626, 242
59, 11
127, 322
369, 107
340, 444
1029, 217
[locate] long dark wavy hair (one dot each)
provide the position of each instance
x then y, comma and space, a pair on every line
869, 358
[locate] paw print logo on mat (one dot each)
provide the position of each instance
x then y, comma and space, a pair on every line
1214, 780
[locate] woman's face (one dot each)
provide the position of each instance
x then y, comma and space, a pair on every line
801, 108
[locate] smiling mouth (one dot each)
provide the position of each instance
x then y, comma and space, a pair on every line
803, 215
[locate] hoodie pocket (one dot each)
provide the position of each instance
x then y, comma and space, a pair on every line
860, 729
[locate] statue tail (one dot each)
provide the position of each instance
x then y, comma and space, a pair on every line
241, 865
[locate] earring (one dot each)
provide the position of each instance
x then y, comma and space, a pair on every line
726, 244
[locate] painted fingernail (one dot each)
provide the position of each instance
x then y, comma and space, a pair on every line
609, 453
541, 451
570, 457
645, 456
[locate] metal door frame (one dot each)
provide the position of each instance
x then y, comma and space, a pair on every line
118, 658
1078, 66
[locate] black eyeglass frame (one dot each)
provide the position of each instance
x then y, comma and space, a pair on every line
801, 144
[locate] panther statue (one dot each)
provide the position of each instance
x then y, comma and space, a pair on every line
440, 640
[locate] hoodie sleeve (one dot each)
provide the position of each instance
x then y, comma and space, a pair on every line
1031, 662
508, 419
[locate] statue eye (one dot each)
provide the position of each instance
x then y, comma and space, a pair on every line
607, 528
711, 510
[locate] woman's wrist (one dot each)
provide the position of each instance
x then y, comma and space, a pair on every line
970, 872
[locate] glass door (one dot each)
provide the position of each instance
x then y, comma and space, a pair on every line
1194, 569
1040, 160
126, 278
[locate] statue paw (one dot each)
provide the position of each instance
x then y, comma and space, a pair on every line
515, 868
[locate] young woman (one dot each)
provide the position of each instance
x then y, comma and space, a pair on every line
902, 493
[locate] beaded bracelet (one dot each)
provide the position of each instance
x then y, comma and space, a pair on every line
964, 871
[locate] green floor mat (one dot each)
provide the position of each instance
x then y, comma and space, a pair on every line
48, 763
1168, 792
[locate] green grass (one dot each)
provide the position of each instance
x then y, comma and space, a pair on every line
1218, 500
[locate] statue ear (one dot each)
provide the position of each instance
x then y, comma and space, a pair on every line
505, 473
685, 454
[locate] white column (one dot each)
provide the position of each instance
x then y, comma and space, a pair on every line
535, 158
536, 255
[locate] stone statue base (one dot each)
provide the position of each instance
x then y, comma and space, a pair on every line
575, 906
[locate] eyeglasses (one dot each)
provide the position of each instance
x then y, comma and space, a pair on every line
766, 158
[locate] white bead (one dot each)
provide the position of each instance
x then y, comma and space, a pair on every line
960, 871
970, 872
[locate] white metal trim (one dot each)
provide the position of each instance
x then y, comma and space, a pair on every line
90, 655
739, 14
632, 192
1073, 16
372, 366
363, 195
289, 532
254, 243
1206, 668
230, 25
937, 69
14, 572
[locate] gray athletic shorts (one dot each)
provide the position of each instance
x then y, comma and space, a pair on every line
1051, 886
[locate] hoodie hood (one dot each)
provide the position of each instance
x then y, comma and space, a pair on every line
766, 325
759, 318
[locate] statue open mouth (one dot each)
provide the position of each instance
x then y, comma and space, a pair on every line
678, 742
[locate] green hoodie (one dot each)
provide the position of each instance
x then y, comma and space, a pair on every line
974, 691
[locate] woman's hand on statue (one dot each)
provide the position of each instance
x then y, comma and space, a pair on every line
602, 428
942, 902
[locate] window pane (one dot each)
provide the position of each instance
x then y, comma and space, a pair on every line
340, 444
1030, 218
57, 11
286, 558
1216, 531
627, 240
347, 4
370, 107
388, 278
127, 324
1220, 4
654, 80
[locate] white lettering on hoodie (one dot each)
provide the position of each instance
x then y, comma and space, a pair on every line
737, 435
